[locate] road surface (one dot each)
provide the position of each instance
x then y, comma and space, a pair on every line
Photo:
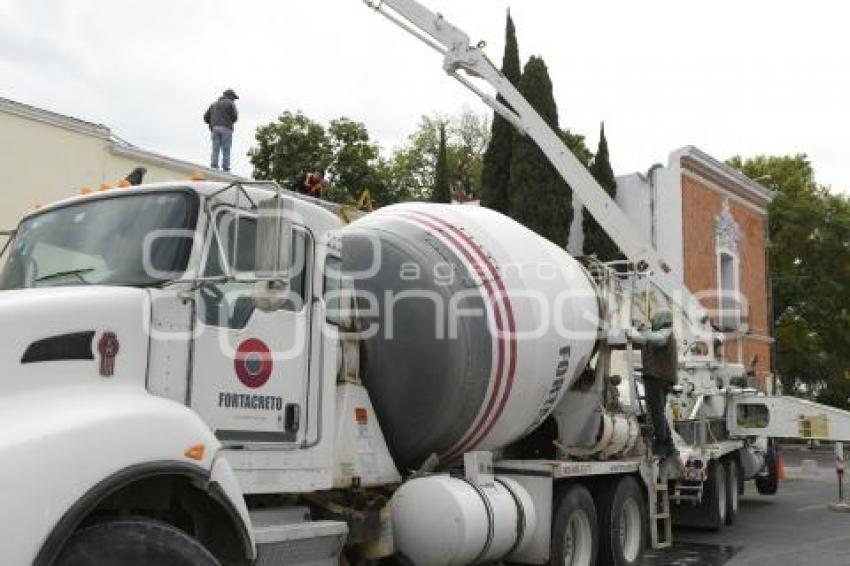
793, 528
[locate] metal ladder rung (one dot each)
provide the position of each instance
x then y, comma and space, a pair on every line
661, 523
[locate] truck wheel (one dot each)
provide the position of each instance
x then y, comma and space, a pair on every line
575, 538
133, 541
732, 474
622, 520
715, 496
769, 484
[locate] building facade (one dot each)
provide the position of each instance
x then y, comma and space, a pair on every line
45, 157
710, 224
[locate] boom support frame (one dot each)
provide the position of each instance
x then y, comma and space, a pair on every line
460, 55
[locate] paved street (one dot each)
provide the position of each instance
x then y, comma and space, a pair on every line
793, 528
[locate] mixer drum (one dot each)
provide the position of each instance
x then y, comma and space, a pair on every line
445, 360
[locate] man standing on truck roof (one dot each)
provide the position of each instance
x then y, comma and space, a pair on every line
220, 117
660, 360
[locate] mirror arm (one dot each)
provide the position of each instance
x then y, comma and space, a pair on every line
10, 235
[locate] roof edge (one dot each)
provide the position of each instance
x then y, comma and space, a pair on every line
724, 172
54, 119
152, 158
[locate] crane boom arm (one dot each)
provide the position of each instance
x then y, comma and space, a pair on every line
459, 54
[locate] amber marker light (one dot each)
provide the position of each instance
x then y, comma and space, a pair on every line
198, 176
105, 187
86, 191
195, 452
123, 183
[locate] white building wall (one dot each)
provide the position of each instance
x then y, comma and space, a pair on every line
669, 217
633, 198
45, 157
653, 201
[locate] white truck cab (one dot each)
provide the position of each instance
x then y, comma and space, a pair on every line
136, 356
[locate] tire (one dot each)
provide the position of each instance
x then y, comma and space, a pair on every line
622, 523
769, 484
133, 541
575, 535
714, 497
733, 474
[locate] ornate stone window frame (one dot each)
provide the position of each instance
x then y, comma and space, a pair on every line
727, 236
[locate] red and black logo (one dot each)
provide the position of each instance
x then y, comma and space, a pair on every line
108, 348
253, 363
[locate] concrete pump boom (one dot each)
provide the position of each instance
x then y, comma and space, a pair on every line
454, 44
789, 417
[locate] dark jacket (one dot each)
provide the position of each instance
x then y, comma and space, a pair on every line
661, 357
222, 112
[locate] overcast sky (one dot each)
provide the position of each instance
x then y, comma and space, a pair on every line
729, 76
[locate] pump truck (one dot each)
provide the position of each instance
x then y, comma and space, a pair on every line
197, 373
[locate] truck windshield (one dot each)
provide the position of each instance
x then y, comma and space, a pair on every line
103, 242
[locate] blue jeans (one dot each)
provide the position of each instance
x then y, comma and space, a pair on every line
222, 140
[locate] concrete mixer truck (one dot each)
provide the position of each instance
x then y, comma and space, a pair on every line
200, 374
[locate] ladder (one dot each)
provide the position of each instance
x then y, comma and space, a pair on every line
690, 492
660, 519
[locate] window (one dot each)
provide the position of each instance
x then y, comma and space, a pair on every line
728, 235
103, 242
231, 304
729, 299
752, 415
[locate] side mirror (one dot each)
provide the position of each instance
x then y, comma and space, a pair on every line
274, 252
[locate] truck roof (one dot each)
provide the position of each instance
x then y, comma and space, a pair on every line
326, 214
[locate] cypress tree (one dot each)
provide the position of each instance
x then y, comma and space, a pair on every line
442, 192
596, 240
496, 174
540, 198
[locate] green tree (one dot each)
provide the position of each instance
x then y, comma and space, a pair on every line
414, 166
596, 240
809, 263
578, 145
540, 198
295, 144
442, 191
496, 175
469, 136
355, 157
289, 146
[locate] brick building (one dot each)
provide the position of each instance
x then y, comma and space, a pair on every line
710, 223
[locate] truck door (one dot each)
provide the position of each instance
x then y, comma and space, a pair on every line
250, 368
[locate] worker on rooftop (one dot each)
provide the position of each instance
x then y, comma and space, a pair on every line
220, 117
310, 184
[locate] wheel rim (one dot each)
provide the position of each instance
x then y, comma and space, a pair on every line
721, 495
578, 540
631, 530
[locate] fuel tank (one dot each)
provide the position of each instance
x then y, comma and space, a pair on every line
474, 326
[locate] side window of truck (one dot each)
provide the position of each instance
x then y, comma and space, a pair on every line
231, 304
